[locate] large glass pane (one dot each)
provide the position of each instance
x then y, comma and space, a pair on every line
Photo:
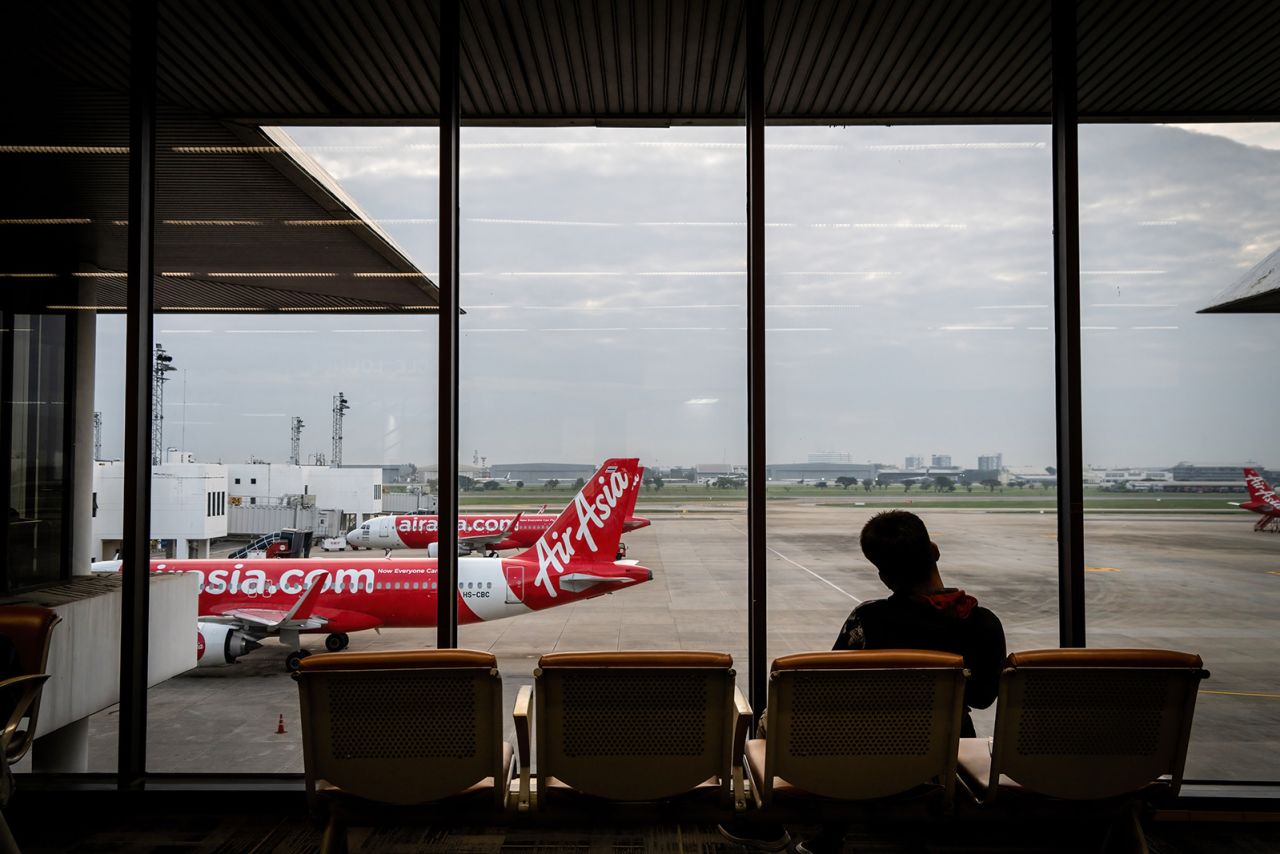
603, 283
910, 363
295, 382
1177, 405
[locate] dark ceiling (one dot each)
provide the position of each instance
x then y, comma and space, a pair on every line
231, 202
664, 61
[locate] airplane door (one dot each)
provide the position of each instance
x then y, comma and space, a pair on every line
515, 582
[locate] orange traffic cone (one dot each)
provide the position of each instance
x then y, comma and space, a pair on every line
280, 726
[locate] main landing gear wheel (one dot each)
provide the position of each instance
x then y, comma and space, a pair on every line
293, 660
337, 641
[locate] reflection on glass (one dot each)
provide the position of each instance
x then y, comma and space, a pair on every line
38, 473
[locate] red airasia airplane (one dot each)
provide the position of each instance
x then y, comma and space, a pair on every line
487, 532
243, 602
1263, 500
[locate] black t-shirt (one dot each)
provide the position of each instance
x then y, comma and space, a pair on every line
913, 622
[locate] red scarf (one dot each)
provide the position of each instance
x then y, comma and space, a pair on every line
953, 603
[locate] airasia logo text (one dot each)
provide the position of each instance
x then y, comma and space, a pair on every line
556, 552
419, 524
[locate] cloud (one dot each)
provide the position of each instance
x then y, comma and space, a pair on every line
604, 280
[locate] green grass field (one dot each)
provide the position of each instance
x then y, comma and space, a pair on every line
980, 499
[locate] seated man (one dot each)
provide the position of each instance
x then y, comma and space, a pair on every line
922, 613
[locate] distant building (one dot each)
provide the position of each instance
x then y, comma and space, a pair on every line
991, 462
713, 470
830, 457
913, 463
940, 461
391, 472
532, 473
1185, 471
813, 472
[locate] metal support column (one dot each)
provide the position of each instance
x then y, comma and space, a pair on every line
136, 551
447, 447
1066, 285
757, 553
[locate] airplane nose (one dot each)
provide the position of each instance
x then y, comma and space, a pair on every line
649, 573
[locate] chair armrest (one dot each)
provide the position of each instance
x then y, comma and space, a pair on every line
27, 688
742, 723
522, 716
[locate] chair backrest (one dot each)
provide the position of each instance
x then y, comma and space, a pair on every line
29, 629
401, 727
865, 723
633, 726
1094, 723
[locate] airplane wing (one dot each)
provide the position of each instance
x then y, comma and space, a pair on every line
489, 537
300, 616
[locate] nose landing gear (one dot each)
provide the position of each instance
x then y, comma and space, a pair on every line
337, 641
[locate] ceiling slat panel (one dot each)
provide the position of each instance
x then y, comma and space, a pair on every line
922, 55
842, 94
550, 61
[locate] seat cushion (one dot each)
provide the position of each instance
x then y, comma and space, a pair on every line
974, 767
556, 791
786, 794
481, 790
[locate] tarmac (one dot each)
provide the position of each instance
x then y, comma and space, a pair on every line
1200, 583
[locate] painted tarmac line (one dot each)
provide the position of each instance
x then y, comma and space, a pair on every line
806, 569
1243, 694
814, 574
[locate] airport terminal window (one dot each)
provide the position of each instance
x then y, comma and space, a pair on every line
910, 366
603, 279
1177, 404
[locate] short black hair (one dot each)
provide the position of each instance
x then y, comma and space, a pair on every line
898, 543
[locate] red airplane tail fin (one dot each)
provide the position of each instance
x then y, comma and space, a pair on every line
590, 527
1260, 492
628, 505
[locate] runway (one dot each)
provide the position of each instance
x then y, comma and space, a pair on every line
1200, 583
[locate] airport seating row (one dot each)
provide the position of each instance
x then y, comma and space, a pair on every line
844, 730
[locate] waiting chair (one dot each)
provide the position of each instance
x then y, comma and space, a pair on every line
30, 630
405, 728
1110, 726
858, 726
634, 726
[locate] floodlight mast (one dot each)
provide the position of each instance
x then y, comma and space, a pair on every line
340, 406
97, 435
162, 367
295, 441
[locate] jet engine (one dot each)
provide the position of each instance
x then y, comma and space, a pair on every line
433, 550
218, 644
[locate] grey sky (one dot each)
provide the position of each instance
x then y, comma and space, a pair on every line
908, 268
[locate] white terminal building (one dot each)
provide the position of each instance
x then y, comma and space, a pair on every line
188, 506
194, 503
